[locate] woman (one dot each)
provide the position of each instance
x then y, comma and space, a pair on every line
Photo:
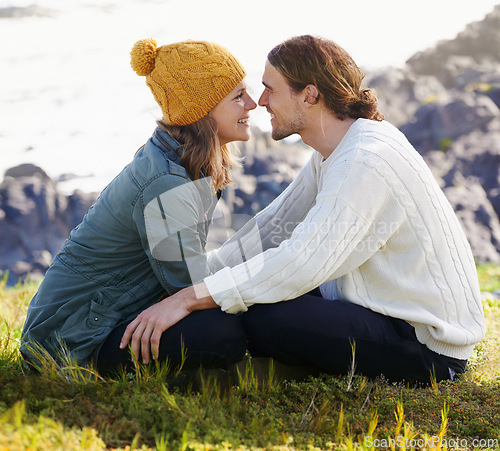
145, 236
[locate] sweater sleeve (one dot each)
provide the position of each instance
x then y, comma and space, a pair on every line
270, 226
336, 236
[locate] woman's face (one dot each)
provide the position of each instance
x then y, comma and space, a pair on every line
232, 116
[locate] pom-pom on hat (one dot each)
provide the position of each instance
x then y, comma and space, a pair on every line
187, 79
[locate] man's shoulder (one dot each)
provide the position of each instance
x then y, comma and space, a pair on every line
379, 138
377, 129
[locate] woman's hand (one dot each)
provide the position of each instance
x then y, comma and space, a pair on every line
146, 329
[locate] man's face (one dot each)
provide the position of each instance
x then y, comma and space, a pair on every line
281, 103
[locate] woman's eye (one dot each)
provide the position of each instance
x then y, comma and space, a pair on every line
239, 96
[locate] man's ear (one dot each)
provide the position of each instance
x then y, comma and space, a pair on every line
311, 95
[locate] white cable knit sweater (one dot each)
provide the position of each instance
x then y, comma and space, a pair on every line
369, 225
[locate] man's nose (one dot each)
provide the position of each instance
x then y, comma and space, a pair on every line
263, 100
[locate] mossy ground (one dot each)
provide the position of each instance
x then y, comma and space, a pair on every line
157, 408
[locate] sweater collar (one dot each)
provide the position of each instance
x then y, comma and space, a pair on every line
339, 150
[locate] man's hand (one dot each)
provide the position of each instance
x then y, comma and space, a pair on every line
146, 329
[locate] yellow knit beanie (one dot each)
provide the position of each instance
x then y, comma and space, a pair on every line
187, 78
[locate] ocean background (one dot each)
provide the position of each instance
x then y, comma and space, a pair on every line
70, 103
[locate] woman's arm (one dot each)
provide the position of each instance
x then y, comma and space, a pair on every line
170, 217
265, 231
145, 331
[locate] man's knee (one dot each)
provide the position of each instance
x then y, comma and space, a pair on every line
226, 335
260, 319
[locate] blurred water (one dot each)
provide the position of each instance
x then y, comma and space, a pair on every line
70, 102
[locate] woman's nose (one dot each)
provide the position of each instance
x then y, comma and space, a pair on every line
250, 104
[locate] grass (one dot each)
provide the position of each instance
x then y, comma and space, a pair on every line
155, 407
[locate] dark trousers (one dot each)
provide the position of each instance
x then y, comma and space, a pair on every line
320, 333
211, 338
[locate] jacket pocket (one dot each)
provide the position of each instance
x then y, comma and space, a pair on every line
101, 316
82, 324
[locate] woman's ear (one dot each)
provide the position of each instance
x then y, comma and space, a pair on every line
311, 95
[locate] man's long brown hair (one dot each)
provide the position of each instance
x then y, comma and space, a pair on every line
202, 155
307, 59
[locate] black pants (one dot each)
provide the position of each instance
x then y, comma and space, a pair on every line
211, 338
307, 331
321, 333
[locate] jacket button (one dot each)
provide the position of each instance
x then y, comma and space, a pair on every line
96, 319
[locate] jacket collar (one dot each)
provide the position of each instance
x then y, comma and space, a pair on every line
167, 145
170, 147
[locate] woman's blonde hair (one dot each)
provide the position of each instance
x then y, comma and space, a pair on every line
202, 155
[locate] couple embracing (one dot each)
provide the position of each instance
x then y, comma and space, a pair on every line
362, 248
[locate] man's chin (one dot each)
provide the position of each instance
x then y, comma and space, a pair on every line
278, 135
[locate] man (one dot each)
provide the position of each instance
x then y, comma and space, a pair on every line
360, 261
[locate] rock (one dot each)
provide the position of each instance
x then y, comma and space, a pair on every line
400, 93
268, 167
436, 125
478, 219
494, 197
487, 296
476, 156
27, 170
35, 220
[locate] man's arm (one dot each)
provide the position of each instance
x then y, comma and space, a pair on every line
270, 226
344, 228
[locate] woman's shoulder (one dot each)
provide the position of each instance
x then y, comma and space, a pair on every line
151, 163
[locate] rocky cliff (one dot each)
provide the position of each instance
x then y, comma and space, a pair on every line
446, 100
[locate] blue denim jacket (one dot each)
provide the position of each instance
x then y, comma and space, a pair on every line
108, 270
